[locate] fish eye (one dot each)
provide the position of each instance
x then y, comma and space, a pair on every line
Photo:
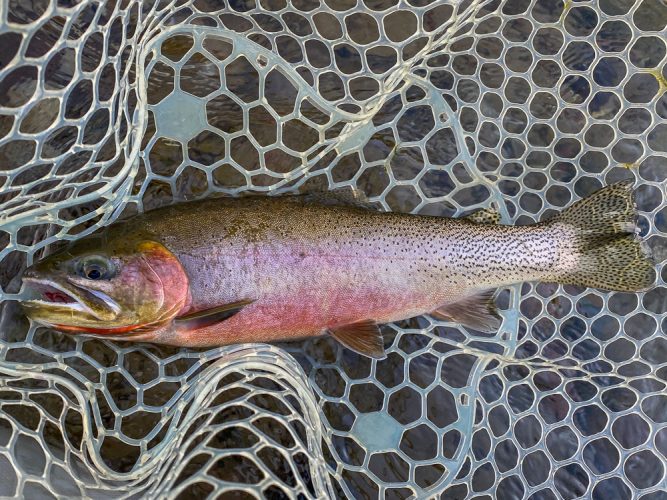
95, 267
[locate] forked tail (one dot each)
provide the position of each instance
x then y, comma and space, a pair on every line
603, 249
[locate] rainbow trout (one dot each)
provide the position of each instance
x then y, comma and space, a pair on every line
261, 269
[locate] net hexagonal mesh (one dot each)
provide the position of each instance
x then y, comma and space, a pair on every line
110, 108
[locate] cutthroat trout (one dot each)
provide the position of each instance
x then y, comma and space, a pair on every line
262, 269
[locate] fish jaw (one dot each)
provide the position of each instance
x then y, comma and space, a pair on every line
50, 299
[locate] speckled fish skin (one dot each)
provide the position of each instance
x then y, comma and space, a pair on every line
310, 267
307, 268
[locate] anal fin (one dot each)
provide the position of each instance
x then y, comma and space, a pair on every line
363, 337
476, 311
208, 317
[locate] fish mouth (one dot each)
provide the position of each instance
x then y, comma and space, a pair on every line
45, 296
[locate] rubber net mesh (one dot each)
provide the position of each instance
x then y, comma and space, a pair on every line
111, 108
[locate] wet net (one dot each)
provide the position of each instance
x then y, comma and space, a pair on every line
111, 108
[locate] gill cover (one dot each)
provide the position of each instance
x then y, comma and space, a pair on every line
169, 275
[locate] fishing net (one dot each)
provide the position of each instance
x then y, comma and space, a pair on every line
111, 108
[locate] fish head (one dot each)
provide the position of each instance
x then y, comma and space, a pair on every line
106, 286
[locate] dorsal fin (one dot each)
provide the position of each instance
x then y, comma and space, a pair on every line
348, 197
208, 317
363, 337
476, 311
484, 216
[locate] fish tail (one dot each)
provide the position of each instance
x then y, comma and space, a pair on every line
602, 249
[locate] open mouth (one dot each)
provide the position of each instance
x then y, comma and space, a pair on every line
54, 295
45, 292
40, 294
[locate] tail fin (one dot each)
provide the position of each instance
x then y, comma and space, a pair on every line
606, 250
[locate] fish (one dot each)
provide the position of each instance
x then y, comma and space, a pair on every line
275, 268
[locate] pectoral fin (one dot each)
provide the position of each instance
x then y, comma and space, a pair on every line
363, 337
208, 317
476, 311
